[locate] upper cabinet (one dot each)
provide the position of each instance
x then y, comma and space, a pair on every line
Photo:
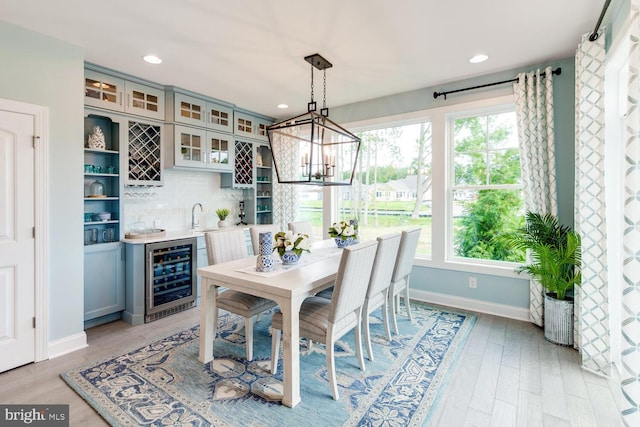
190, 110
113, 93
250, 126
196, 148
144, 153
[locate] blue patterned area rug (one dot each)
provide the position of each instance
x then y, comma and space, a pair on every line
163, 383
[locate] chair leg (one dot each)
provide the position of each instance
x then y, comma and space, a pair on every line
392, 309
248, 337
275, 350
406, 301
385, 319
358, 332
367, 336
331, 370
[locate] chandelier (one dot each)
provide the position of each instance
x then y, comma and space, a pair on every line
311, 149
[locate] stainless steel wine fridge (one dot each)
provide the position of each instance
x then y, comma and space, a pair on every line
171, 277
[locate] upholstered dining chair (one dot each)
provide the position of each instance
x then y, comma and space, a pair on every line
326, 321
254, 232
223, 246
302, 227
378, 290
402, 273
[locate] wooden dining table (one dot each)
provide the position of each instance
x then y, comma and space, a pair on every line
288, 286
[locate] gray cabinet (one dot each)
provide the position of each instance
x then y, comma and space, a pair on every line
191, 110
250, 126
104, 283
103, 90
196, 148
143, 153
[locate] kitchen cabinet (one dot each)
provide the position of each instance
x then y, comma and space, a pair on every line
250, 126
113, 93
143, 153
253, 172
104, 283
197, 148
191, 110
103, 252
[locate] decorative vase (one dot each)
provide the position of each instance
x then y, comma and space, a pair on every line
348, 241
290, 258
222, 223
264, 261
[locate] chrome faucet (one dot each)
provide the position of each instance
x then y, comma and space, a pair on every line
195, 224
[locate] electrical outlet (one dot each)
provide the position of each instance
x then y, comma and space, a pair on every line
473, 282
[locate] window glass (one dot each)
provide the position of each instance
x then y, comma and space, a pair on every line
486, 189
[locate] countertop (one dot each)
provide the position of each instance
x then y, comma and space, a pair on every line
176, 235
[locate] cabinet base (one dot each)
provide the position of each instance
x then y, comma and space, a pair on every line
169, 311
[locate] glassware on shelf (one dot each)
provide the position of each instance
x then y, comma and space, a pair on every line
97, 189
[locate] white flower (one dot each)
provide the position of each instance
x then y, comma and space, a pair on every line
348, 231
305, 242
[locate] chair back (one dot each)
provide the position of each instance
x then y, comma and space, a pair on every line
223, 246
406, 253
255, 231
351, 283
302, 227
384, 263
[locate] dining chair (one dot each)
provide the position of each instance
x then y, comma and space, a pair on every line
402, 273
254, 232
326, 321
378, 290
223, 246
302, 227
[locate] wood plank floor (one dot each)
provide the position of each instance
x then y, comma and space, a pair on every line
507, 375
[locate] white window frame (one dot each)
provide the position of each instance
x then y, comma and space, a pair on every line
440, 160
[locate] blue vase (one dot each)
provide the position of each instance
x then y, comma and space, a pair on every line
343, 243
290, 258
264, 260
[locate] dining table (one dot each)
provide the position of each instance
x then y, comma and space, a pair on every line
288, 286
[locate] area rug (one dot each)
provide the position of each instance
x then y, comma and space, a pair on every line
163, 383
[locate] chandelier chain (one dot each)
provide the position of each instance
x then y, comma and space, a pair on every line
324, 94
311, 83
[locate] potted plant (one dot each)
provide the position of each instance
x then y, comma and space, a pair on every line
290, 246
222, 213
345, 234
555, 262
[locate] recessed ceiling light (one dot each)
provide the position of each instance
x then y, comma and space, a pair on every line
152, 59
478, 58
282, 106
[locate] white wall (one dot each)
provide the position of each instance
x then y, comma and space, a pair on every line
45, 71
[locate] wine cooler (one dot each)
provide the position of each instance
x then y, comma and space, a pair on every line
171, 277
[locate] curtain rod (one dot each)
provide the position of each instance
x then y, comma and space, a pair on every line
557, 72
594, 36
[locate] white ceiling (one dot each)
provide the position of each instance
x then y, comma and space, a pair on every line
250, 52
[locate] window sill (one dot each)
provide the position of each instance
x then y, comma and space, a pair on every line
471, 267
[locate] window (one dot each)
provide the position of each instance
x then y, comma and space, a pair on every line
485, 185
394, 162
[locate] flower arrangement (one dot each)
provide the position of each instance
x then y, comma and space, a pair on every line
344, 230
289, 241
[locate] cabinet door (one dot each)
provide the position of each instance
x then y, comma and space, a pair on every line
144, 100
261, 129
103, 280
245, 125
144, 149
190, 147
219, 117
189, 110
220, 149
102, 90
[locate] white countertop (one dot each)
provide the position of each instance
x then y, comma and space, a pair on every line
176, 235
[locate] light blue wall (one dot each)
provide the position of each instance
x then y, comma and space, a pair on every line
493, 289
44, 71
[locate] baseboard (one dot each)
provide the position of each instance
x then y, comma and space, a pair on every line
67, 345
508, 311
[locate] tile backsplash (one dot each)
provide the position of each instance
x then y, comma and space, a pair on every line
169, 207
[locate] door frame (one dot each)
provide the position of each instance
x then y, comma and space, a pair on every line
40, 116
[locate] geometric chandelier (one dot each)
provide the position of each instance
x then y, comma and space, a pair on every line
311, 149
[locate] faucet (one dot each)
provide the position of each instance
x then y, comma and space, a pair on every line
195, 224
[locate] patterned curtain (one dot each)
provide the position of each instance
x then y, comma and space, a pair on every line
592, 304
630, 346
534, 109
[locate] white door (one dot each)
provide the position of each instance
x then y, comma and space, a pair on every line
17, 245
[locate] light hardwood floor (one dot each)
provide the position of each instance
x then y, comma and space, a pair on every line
507, 375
